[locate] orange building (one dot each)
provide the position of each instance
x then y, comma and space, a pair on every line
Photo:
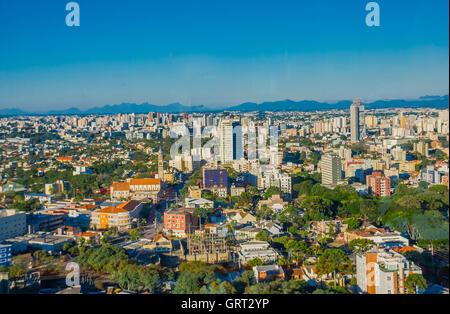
65, 159
179, 222
379, 185
116, 216
268, 272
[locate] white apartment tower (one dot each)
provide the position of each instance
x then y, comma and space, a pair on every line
226, 142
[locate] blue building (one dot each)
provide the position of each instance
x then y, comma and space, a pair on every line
5, 255
215, 178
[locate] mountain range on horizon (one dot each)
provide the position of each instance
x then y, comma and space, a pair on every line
282, 105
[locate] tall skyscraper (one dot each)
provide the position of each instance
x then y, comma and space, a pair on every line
150, 117
331, 169
226, 142
355, 123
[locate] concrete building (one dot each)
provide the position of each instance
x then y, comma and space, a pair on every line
120, 216
43, 198
59, 186
275, 203
180, 222
378, 185
49, 243
12, 224
5, 254
383, 271
215, 178
137, 189
226, 142
355, 115
422, 148
270, 176
331, 169
257, 249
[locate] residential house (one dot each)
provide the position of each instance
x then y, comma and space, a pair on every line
275, 203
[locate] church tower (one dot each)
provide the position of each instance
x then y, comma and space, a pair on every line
160, 165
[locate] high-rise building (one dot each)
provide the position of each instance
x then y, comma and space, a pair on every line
378, 185
331, 169
443, 115
371, 121
210, 120
422, 148
226, 142
355, 117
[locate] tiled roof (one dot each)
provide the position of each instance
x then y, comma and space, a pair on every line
129, 205
111, 210
148, 181
120, 186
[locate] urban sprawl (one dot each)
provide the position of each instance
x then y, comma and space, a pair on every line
322, 202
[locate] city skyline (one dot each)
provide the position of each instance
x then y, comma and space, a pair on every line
219, 54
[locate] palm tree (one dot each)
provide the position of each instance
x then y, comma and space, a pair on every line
201, 213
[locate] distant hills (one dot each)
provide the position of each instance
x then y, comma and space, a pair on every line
282, 105
310, 105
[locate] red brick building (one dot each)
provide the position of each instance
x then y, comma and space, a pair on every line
179, 222
379, 185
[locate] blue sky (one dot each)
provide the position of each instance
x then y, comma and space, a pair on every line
219, 53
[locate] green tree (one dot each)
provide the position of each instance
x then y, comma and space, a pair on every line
361, 246
263, 235
135, 234
414, 282
352, 223
273, 190
318, 208
255, 262
334, 261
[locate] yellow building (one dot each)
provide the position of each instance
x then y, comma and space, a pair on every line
120, 216
406, 166
371, 122
136, 189
194, 192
